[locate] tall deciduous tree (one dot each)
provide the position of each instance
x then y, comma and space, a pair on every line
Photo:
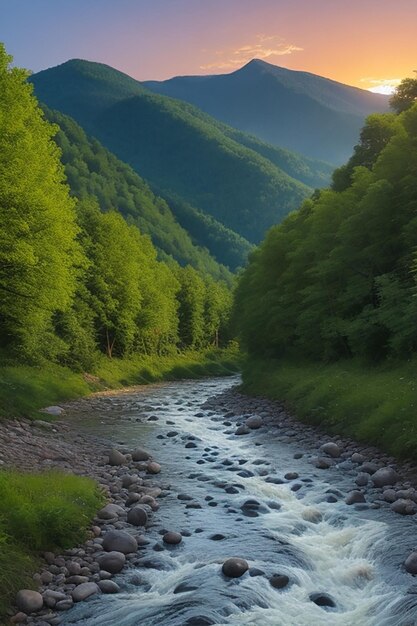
38, 251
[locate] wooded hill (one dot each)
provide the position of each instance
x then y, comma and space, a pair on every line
338, 277
300, 111
92, 170
182, 152
77, 282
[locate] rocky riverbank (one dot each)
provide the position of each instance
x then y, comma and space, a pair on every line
127, 478
378, 480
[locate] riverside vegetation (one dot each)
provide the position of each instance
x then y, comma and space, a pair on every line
327, 306
83, 289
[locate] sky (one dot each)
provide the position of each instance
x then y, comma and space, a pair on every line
370, 44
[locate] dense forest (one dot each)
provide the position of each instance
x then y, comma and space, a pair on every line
338, 277
91, 170
181, 151
77, 281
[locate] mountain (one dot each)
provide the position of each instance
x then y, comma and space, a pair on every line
92, 170
181, 151
315, 116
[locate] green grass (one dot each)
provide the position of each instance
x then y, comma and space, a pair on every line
24, 390
40, 512
371, 404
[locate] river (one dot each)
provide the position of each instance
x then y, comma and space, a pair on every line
223, 498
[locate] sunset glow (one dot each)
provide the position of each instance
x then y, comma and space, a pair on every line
345, 41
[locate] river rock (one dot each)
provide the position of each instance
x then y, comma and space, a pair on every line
74, 568
357, 458
139, 454
242, 430
116, 457
29, 601
411, 563
279, 581
64, 605
389, 495
19, 618
172, 538
53, 410
112, 562
153, 468
369, 467
362, 479
332, 449
119, 541
254, 422
137, 516
235, 567
404, 507
322, 463
110, 511
385, 476
84, 591
322, 599
51, 597
354, 497
108, 586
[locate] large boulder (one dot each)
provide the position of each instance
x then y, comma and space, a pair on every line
332, 449
411, 563
385, 476
119, 541
137, 516
235, 567
117, 458
29, 601
84, 591
112, 562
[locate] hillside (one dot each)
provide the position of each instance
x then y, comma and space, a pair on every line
179, 150
92, 170
315, 116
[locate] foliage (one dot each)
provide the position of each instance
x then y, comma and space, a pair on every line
92, 170
40, 512
38, 251
405, 95
372, 404
77, 279
337, 278
176, 147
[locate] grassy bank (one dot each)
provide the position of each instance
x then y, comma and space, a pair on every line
24, 390
39, 512
377, 405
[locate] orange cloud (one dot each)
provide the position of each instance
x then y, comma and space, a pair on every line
265, 47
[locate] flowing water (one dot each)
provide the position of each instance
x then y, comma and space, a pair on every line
353, 554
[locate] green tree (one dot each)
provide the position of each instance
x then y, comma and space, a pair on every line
38, 250
405, 95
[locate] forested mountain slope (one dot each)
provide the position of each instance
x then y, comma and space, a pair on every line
312, 115
338, 278
92, 170
178, 149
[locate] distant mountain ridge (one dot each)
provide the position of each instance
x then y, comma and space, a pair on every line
310, 114
181, 151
